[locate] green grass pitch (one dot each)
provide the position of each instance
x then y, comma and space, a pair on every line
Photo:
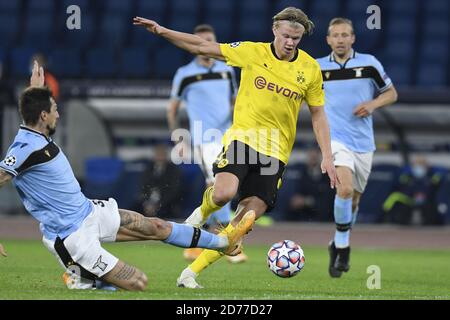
31, 272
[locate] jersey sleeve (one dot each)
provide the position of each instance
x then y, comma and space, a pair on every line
382, 80
237, 54
16, 156
176, 83
315, 95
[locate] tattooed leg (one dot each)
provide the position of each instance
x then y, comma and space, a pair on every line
126, 277
135, 227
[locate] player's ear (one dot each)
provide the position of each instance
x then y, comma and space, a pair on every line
43, 115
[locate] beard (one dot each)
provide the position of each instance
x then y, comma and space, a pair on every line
51, 131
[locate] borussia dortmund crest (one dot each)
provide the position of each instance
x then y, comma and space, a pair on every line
300, 77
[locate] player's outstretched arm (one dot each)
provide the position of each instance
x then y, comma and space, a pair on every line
2, 251
322, 133
4, 177
386, 98
189, 42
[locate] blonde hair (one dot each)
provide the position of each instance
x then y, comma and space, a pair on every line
203, 28
296, 17
340, 20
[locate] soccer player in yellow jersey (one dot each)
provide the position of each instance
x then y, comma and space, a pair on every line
276, 78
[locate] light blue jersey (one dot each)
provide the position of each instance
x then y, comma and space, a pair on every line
207, 93
45, 181
359, 80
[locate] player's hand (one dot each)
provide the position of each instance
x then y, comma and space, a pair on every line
150, 210
297, 202
327, 167
37, 76
150, 25
182, 149
364, 109
2, 251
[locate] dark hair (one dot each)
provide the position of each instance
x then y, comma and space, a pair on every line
204, 28
32, 102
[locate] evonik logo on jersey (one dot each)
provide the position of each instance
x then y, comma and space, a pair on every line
261, 83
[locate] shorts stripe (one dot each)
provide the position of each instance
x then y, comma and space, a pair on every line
65, 257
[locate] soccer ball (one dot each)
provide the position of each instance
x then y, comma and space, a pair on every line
285, 258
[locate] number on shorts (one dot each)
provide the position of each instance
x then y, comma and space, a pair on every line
98, 203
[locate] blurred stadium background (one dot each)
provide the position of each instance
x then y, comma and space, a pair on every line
114, 83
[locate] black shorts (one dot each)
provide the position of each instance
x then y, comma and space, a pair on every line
259, 175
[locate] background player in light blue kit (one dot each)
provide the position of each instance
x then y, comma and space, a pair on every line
73, 226
355, 85
208, 89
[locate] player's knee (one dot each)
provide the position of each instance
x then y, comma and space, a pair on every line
139, 283
142, 282
345, 191
222, 196
126, 277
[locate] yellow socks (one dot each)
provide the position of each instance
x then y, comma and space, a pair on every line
208, 206
208, 256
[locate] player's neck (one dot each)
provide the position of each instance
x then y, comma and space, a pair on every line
39, 127
284, 57
280, 55
205, 62
342, 59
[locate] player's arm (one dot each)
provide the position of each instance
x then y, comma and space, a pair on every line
322, 133
186, 41
232, 103
5, 177
172, 112
2, 251
172, 120
388, 97
234, 89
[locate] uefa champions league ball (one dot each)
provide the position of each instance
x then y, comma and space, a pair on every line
285, 258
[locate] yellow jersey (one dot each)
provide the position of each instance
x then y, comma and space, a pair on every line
270, 96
